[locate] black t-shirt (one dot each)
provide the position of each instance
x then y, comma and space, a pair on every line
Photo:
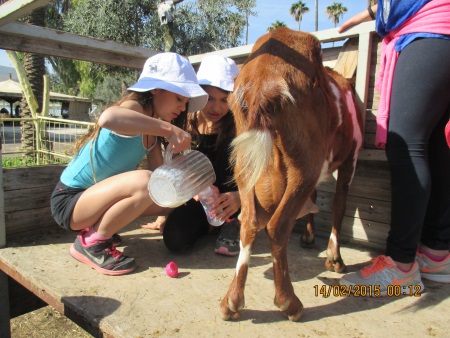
220, 159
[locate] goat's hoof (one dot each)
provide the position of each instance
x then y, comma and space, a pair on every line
295, 310
307, 242
229, 310
335, 265
227, 314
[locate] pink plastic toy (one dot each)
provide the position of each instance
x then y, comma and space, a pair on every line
447, 133
172, 270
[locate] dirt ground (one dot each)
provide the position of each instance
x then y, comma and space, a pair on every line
188, 306
45, 323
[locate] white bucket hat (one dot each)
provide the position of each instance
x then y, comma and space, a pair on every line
218, 71
172, 72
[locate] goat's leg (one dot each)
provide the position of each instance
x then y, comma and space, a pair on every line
334, 260
285, 298
234, 299
307, 239
278, 230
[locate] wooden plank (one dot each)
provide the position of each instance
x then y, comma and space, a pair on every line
14, 9
28, 199
357, 228
354, 230
330, 35
50, 42
375, 188
358, 207
347, 59
27, 220
31, 177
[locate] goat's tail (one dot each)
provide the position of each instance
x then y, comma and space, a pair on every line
251, 150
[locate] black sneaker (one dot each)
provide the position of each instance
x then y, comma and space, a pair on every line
103, 257
228, 241
116, 240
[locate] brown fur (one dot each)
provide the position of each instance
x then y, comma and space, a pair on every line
284, 93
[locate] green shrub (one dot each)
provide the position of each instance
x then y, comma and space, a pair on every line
12, 162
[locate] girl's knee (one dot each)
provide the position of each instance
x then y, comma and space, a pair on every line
140, 180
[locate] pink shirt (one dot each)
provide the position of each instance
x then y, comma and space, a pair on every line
432, 18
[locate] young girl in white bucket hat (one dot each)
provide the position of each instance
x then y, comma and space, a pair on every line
100, 191
212, 129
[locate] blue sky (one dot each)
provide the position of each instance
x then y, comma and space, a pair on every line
268, 13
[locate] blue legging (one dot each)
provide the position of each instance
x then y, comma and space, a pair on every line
418, 155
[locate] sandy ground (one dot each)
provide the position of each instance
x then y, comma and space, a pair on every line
188, 306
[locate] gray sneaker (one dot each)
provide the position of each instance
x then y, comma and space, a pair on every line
383, 278
103, 257
432, 270
228, 241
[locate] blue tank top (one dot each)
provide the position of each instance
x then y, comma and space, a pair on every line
112, 154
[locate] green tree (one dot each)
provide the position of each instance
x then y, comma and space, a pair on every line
124, 21
110, 89
198, 27
65, 77
335, 12
208, 25
297, 10
276, 24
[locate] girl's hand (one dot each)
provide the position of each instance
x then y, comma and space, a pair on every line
213, 187
228, 202
179, 140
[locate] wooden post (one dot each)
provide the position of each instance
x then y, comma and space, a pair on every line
2, 205
5, 328
363, 71
5, 324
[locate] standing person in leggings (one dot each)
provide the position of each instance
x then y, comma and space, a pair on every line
212, 129
414, 109
100, 191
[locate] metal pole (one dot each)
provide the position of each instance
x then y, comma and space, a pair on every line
317, 16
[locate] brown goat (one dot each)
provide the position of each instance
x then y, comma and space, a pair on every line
296, 123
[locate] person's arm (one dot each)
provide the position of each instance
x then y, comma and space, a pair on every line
359, 18
129, 119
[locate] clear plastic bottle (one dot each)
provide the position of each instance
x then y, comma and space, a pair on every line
207, 198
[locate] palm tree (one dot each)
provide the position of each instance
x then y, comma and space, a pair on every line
335, 12
297, 10
276, 24
34, 66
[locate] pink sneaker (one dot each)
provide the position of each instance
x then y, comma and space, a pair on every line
384, 277
432, 270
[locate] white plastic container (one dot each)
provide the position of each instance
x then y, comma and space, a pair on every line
207, 198
178, 180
